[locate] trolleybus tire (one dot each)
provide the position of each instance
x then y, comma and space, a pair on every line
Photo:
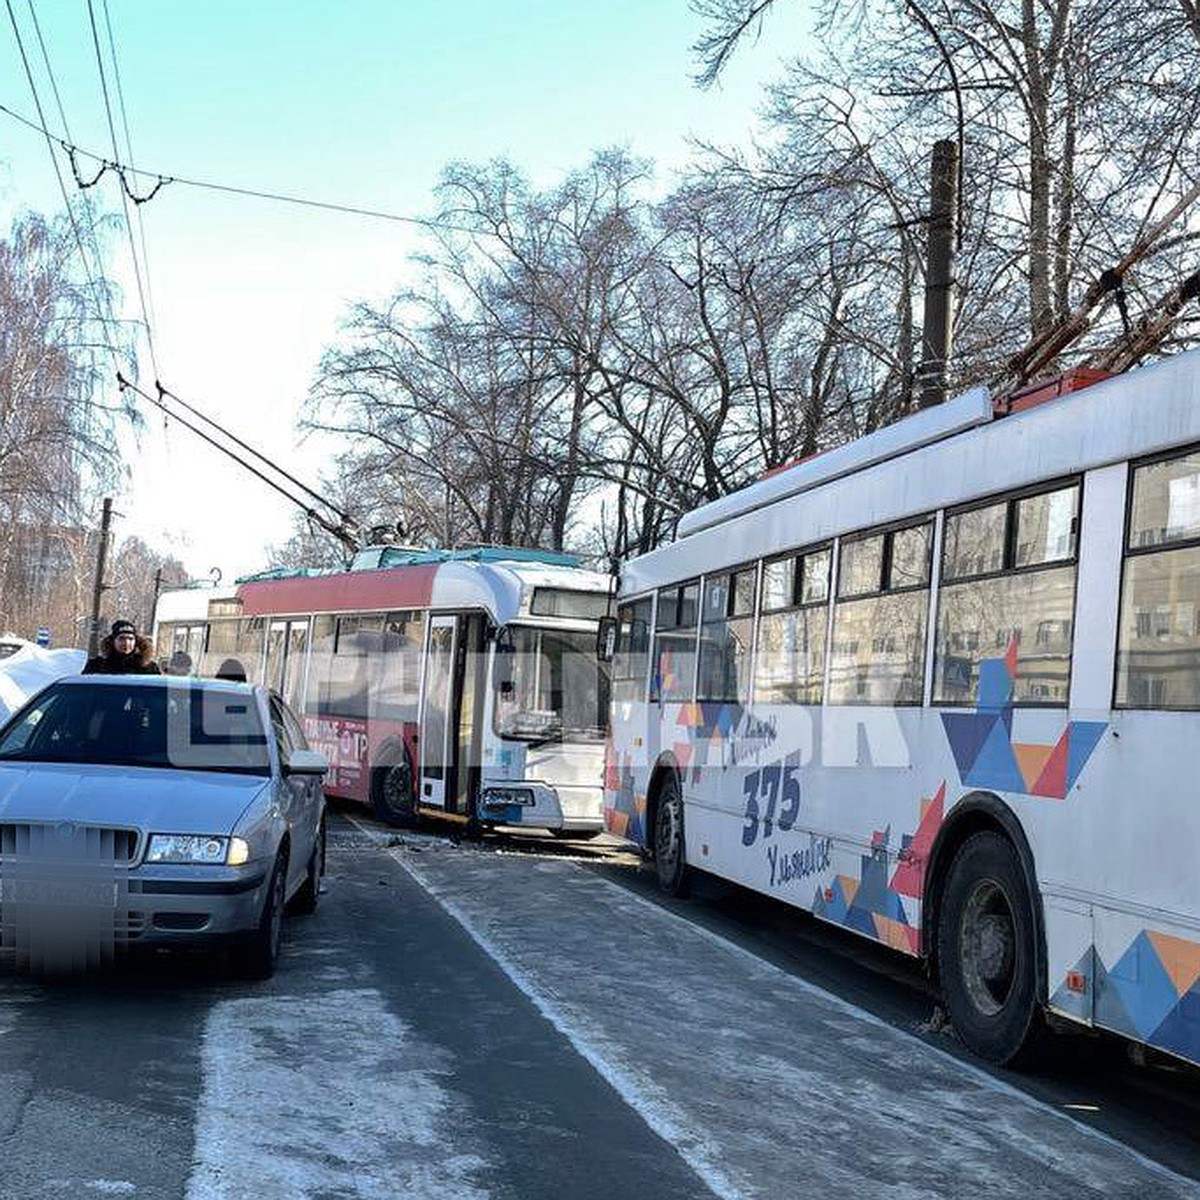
987, 951
670, 860
393, 797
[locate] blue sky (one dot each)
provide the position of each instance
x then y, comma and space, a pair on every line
359, 102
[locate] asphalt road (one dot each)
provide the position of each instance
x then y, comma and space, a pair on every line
531, 1020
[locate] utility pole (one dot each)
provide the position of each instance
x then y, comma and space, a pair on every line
939, 275
149, 626
98, 584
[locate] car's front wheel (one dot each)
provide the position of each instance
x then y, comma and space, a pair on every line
259, 954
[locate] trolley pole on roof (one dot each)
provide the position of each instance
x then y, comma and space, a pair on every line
98, 584
939, 275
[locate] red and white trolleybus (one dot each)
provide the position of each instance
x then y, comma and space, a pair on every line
462, 684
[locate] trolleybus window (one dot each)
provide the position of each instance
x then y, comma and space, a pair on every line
790, 664
675, 643
726, 634
632, 657
879, 618
1158, 649
1008, 578
554, 688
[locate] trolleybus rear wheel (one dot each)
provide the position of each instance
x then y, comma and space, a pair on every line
987, 951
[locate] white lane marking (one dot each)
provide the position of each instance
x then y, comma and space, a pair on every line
111, 1187
653, 1105
689, 1122
323, 1095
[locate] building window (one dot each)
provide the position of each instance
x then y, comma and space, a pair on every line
878, 654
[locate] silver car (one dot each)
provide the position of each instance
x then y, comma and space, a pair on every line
157, 811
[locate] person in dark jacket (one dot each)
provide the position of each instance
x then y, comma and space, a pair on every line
123, 652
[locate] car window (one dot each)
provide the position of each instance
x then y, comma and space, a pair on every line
184, 726
294, 728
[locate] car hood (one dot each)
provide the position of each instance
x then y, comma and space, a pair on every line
150, 798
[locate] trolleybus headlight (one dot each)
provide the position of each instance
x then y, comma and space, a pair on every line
503, 797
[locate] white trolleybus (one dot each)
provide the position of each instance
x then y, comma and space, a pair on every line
459, 684
941, 686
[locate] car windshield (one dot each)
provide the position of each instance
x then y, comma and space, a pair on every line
551, 686
180, 726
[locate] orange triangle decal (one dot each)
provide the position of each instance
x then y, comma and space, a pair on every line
1032, 760
1179, 957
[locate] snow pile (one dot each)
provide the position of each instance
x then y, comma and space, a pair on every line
30, 669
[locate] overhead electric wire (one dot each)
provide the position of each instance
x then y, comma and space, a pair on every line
112, 46
50, 140
37, 29
112, 129
281, 197
343, 531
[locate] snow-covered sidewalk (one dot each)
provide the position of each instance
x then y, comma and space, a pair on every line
767, 1085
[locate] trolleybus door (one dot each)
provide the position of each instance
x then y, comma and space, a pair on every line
435, 741
287, 645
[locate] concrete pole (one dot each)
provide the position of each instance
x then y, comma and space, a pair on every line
939, 274
98, 584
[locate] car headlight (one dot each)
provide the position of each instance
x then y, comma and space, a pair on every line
190, 848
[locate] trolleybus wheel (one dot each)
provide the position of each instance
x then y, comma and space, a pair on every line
392, 795
987, 951
669, 859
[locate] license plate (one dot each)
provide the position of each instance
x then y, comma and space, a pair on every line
59, 893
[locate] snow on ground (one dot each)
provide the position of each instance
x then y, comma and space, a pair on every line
767, 1085
30, 669
321, 1096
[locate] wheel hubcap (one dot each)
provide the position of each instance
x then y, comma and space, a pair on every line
988, 947
668, 834
395, 790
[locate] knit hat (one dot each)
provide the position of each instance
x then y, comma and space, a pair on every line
120, 627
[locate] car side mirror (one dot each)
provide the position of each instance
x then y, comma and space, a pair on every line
305, 762
606, 639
